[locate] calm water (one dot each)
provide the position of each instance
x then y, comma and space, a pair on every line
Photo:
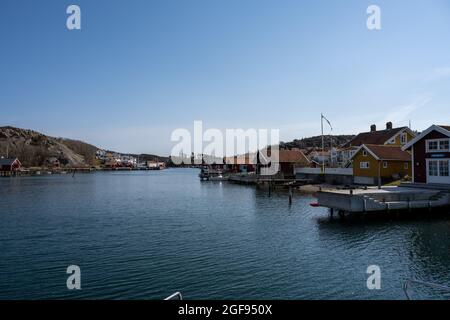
145, 235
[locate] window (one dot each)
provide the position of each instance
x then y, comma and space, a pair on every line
438, 145
404, 138
433, 168
406, 166
444, 145
443, 168
433, 145
364, 165
364, 153
385, 164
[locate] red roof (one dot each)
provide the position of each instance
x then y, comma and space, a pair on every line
285, 156
293, 156
241, 159
374, 137
445, 127
394, 153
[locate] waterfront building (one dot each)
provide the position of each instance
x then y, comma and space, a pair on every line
431, 155
156, 165
10, 164
390, 136
289, 160
241, 164
377, 164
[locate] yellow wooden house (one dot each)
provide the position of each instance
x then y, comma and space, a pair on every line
376, 164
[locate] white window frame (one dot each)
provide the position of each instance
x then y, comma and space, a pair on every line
365, 153
438, 178
448, 145
385, 164
364, 165
438, 141
448, 167
404, 138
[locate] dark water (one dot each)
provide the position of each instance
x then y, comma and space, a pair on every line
145, 235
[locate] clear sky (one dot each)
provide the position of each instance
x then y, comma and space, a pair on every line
137, 70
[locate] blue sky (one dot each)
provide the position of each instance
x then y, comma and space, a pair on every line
140, 69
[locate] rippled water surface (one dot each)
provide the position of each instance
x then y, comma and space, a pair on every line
145, 235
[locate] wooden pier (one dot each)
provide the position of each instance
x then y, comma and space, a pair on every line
10, 173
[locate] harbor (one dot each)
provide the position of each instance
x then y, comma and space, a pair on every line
389, 170
225, 240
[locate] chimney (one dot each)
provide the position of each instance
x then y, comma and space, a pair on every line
373, 128
389, 126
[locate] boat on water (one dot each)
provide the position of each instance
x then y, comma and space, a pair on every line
207, 174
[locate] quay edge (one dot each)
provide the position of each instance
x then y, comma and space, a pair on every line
384, 199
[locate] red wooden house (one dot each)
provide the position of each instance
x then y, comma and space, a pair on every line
431, 155
9, 164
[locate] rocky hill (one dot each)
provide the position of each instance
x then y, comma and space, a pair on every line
316, 142
36, 149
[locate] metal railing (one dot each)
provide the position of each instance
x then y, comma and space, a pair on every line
175, 296
408, 283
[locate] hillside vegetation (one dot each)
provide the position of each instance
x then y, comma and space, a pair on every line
36, 149
316, 142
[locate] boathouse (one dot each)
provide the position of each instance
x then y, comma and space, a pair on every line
8, 165
241, 163
376, 164
289, 160
431, 155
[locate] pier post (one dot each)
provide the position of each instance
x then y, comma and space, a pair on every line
290, 195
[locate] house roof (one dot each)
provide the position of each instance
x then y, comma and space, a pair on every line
284, 156
383, 152
445, 130
7, 162
374, 137
241, 159
293, 156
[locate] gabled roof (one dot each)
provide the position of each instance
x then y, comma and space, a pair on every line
284, 156
383, 152
241, 159
292, 156
7, 162
445, 130
375, 137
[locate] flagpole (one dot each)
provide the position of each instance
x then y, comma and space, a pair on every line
323, 147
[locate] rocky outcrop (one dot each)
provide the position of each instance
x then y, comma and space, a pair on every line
35, 149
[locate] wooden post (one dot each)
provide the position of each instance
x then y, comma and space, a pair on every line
290, 195
379, 174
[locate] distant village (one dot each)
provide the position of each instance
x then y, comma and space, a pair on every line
378, 156
114, 160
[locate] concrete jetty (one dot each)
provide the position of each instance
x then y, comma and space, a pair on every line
384, 199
